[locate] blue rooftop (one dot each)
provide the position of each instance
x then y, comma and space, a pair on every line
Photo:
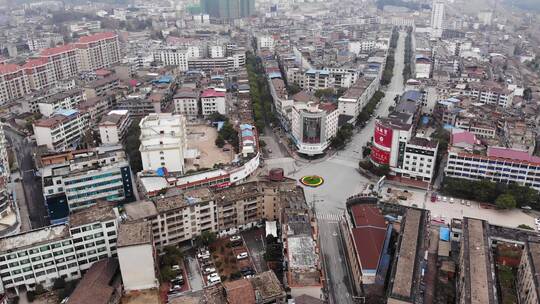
66, 112
412, 95
274, 75
246, 127
164, 79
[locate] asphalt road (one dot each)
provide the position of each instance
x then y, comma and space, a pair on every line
32, 186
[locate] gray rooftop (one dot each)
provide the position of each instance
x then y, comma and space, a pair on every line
33, 238
140, 210
301, 251
100, 212
135, 233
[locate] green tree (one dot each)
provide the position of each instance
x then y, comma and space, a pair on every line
523, 226
486, 191
167, 273
505, 201
293, 88
220, 142
206, 238
216, 116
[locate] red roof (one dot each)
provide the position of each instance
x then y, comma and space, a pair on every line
464, 137
369, 234
512, 154
57, 50
32, 63
96, 37
212, 93
8, 68
328, 107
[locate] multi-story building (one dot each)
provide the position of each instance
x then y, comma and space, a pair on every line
69, 99
5, 200
43, 255
356, 97
528, 275
186, 102
62, 130
180, 218
313, 126
476, 278
229, 63
40, 73
265, 42
176, 56
86, 177
100, 87
64, 61
489, 92
98, 51
85, 27
39, 43
228, 9
163, 141
213, 101
502, 165
13, 82
114, 126
137, 256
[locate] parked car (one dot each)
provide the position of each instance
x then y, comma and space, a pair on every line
468, 203
451, 200
241, 256
445, 199
175, 267
235, 238
526, 208
214, 280
175, 287
209, 270
203, 255
247, 271
537, 221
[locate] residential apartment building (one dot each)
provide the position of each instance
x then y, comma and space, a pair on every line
213, 101
229, 63
13, 82
186, 102
163, 142
114, 126
69, 99
62, 130
5, 200
64, 61
528, 275
489, 92
356, 97
98, 51
178, 218
137, 256
476, 278
313, 126
43, 255
100, 87
39, 43
40, 74
87, 177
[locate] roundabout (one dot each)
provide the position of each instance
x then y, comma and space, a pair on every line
312, 181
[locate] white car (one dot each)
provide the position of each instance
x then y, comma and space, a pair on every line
451, 200
445, 199
209, 270
537, 221
175, 267
235, 238
213, 280
213, 275
242, 256
468, 203
439, 197
203, 255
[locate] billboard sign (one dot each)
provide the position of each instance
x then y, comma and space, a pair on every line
379, 156
383, 136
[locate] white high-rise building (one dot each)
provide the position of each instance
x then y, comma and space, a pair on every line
437, 19
163, 141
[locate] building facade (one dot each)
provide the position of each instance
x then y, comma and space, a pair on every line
98, 51
62, 130
13, 82
313, 126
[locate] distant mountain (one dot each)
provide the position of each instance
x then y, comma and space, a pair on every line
528, 5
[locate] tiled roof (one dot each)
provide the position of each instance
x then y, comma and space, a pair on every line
212, 93
32, 63
8, 68
96, 37
57, 50
240, 292
369, 233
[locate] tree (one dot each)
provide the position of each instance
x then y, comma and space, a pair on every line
216, 116
206, 238
523, 226
220, 142
167, 273
506, 201
293, 88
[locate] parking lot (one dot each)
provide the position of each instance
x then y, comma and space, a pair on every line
224, 260
255, 243
445, 210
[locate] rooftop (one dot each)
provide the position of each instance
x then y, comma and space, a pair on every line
267, 286
131, 234
212, 93
140, 210
239, 292
33, 238
404, 273
8, 68
369, 234
100, 212
96, 37
95, 286
57, 50
302, 252
534, 255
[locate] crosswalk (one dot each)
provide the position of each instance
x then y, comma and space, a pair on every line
329, 216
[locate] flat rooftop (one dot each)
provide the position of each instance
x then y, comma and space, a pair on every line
267, 286
202, 139
131, 234
102, 211
477, 263
140, 210
302, 252
33, 238
404, 273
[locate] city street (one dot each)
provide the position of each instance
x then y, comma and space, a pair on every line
32, 186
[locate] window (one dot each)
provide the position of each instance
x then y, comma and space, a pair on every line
109, 224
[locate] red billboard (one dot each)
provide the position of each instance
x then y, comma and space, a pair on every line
383, 136
379, 156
